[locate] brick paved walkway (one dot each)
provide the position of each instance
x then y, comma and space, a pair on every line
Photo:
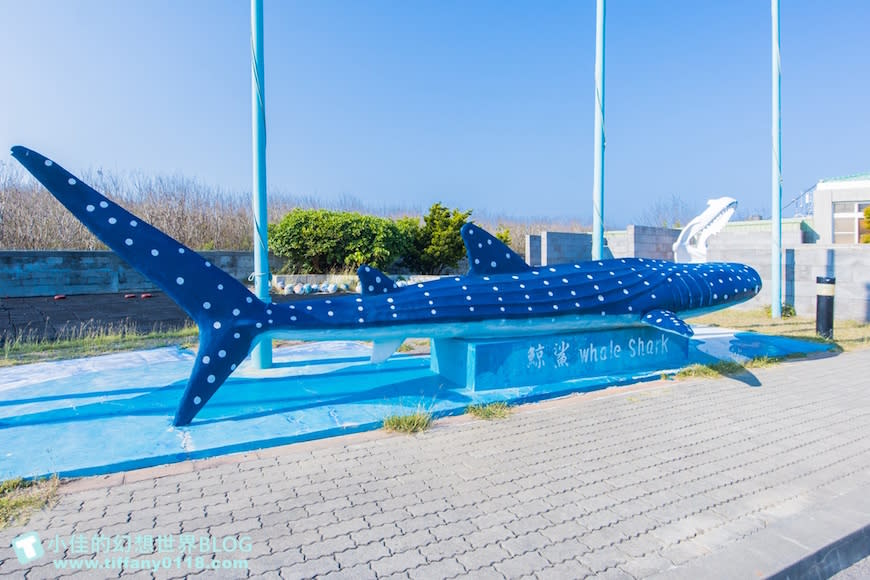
713, 478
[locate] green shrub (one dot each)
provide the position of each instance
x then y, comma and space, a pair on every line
436, 245
320, 241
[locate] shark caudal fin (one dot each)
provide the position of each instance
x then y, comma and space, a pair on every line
229, 316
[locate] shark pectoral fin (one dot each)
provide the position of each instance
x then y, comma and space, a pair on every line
384, 349
373, 282
489, 255
667, 321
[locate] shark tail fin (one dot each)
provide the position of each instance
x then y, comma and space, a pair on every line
228, 315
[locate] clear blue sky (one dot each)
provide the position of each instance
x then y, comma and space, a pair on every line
483, 104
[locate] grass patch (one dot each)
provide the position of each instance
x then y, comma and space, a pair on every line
731, 368
19, 499
712, 370
848, 334
414, 423
491, 411
88, 340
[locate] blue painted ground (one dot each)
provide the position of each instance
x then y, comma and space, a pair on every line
114, 412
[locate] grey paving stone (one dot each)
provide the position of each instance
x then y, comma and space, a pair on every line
482, 574
447, 531
563, 550
599, 560
483, 557
364, 554
375, 533
644, 566
517, 566
343, 528
359, 572
398, 562
310, 568
387, 517
487, 536
521, 544
409, 541
679, 554
327, 547
286, 540
564, 531
412, 524
614, 574
446, 568
566, 569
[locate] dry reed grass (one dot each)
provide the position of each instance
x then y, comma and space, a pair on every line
199, 215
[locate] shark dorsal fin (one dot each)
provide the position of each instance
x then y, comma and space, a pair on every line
373, 282
489, 255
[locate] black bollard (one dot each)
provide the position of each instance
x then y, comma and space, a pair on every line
825, 306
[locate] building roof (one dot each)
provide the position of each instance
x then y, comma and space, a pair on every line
853, 177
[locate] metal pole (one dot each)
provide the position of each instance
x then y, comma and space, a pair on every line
598, 175
776, 168
262, 352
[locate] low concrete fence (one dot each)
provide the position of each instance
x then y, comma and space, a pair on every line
849, 264
46, 273
634, 242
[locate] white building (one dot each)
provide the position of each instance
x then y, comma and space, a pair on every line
838, 209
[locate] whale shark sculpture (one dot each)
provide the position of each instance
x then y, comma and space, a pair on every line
500, 297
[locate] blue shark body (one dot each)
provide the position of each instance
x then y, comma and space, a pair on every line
500, 297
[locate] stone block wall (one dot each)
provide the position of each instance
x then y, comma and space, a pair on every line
46, 273
849, 264
635, 241
652, 242
563, 247
533, 250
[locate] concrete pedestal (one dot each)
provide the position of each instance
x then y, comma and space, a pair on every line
496, 364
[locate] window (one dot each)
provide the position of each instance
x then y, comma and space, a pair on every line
849, 221
863, 230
